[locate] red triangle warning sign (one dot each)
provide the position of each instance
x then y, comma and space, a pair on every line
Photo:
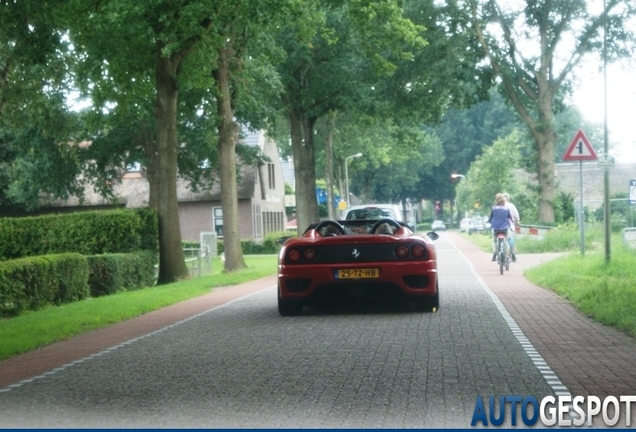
580, 149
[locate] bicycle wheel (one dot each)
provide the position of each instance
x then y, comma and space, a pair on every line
501, 256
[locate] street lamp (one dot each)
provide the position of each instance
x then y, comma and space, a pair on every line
457, 176
357, 155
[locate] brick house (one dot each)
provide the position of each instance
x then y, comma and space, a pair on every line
260, 189
261, 199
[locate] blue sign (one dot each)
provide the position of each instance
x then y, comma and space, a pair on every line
632, 192
321, 197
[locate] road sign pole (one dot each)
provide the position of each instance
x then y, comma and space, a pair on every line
581, 210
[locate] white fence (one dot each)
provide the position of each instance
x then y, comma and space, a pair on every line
629, 237
199, 261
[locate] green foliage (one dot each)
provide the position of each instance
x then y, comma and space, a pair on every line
190, 245
564, 208
562, 238
111, 273
270, 243
491, 173
35, 282
268, 246
620, 212
87, 233
35, 124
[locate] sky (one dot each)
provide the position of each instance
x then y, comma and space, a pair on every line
589, 98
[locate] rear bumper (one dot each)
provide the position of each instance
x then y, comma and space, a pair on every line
395, 279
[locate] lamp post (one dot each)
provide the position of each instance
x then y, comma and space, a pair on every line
357, 155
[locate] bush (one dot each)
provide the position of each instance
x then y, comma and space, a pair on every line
35, 282
268, 246
111, 273
87, 233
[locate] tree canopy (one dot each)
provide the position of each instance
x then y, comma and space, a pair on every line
533, 47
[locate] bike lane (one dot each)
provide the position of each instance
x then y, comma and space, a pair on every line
589, 358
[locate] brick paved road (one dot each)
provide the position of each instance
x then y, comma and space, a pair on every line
242, 365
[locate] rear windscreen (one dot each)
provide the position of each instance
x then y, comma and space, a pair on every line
371, 213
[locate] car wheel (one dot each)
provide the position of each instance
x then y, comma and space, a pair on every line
433, 302
289, 307
428, 304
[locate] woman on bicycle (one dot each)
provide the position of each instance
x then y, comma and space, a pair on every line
499, 220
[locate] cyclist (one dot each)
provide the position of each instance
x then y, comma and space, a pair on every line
515, 221
499, 220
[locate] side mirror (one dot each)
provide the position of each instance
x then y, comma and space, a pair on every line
283, 239
432, 235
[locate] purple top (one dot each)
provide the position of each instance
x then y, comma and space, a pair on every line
499, 218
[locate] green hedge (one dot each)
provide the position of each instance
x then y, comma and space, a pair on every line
34, 282
269, 246
87, 233
111, 273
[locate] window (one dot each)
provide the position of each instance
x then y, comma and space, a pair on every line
133, 167
217, 219
133, 170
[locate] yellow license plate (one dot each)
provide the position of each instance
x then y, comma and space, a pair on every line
361, 273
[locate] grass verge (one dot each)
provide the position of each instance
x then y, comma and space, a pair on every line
605, 292
32, 330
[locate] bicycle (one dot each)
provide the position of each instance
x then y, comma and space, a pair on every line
511, 246
501, 252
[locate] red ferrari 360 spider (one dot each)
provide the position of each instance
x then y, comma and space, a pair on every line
349, 259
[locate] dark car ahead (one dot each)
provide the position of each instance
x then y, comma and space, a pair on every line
351, 259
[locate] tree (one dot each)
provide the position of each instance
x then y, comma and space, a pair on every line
335, 54
464, 134
35, 125
491, 173
246, 25
399, 152
123, 41
533, 52
442, 75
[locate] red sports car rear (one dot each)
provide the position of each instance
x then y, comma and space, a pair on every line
332, 261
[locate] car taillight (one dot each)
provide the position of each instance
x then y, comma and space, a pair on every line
418, 251
294, 255
402, 251
310, 254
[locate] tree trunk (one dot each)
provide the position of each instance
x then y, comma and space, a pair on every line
545, 137
228, 137
329, 168
172, 265
302, 138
